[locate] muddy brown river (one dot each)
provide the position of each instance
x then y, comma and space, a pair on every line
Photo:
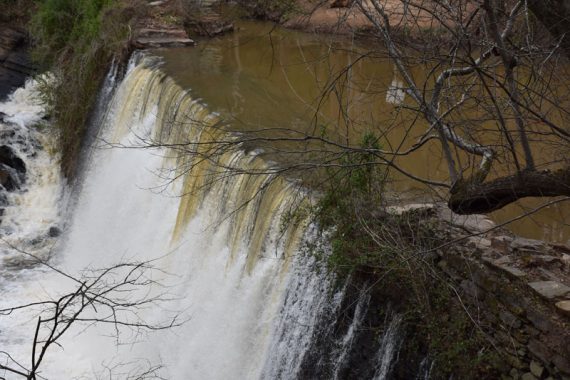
264, 77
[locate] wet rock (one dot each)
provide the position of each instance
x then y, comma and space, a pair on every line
548, 274
158, 38
503, 260
154, 43
550, 289
423, 208
501, 243
479, 243
561, 248
564, 307
500, 265
528, 376
512, 271
4, 177
528, 245
37, 241
536, 369
9, 158
8, 179
565, 260
546, 259
12, 169
7, 134
15, 65
470, 223
54, 232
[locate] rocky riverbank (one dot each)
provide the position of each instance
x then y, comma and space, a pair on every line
516, 290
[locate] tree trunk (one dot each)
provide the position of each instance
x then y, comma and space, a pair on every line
481, 198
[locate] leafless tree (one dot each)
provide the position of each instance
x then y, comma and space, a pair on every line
115, 295
494, 91
494, 97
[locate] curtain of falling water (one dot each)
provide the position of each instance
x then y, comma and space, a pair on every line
250, 298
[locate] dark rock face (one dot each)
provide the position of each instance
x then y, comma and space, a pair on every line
15, 65
9, 158
12, 169
365, 315
54, 232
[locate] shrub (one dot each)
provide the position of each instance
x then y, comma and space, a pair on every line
77, 40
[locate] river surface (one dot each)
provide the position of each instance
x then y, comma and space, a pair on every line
263, 77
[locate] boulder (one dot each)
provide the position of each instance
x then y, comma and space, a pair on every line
54, 232
6, 179
10, 159
550, 289
501, 243
565, 260
528, 376
162, 42
148, 38
3, 203
564, 307
536, 369
520, 244
478, 242
563, 248
470, 223
12, 169
424, 208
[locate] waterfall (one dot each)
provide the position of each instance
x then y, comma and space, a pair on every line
30, 213
388, 349
250, 298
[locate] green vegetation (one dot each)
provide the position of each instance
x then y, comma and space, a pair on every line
351, 191
396, 252
76, 40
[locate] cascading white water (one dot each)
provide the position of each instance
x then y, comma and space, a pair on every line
389, 343
227, 276
251, 301
34, 208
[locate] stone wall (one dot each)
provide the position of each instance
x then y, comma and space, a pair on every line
520, 289
483, 305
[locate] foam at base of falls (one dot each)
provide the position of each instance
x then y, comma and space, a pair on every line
32, 212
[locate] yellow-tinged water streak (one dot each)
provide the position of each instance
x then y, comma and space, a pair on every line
212, 169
